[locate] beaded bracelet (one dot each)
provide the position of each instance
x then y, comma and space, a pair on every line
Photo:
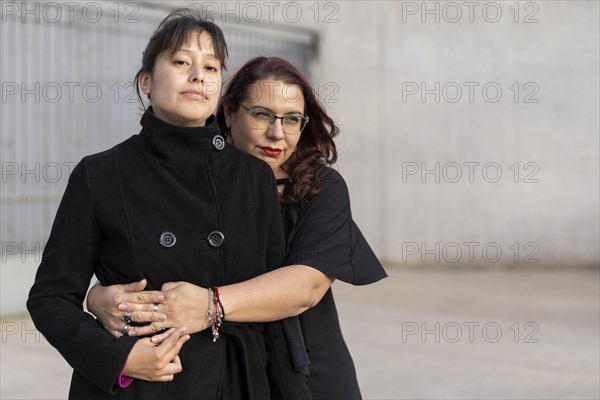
210, 313
215, 312
219, 299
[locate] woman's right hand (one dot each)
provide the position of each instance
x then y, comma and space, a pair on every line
159, 363
103, 302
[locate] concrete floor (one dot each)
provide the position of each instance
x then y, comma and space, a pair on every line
420, 334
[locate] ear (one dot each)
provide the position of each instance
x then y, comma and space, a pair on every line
228, 117
145, 82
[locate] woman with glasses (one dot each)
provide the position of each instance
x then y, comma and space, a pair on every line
270, 111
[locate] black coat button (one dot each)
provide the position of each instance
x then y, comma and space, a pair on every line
215, 239
167, 239
218, 142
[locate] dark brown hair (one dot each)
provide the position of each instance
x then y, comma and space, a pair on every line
315, 148
172, 33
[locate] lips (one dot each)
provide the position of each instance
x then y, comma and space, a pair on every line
270, 151
194, 94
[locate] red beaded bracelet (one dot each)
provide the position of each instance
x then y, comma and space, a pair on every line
215, 311
219, 299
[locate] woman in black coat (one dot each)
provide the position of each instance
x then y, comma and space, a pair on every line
270, 111
173, 203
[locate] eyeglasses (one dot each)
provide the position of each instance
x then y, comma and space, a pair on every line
263, 119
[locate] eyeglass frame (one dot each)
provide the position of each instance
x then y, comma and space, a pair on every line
274, 118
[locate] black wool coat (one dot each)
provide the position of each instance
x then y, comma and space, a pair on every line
146, 209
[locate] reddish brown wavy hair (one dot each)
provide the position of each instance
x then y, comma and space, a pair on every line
315, 149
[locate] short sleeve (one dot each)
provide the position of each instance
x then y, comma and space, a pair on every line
326, 238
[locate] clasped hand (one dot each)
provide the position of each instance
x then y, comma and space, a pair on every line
179, 304
181, 311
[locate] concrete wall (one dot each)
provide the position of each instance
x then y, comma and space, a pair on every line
541, 133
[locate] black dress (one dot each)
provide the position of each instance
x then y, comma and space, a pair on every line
112, 221
321, 234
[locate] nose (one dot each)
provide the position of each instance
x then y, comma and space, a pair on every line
197, 75
275, 131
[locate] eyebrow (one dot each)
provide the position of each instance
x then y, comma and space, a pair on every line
211, 55
272, 112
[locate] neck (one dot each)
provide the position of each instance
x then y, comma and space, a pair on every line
158, 113
280, 173
176, 143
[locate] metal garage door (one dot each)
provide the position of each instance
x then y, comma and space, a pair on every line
66, 72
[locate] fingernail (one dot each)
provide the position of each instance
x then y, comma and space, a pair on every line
154, 338
162, 317
122, 307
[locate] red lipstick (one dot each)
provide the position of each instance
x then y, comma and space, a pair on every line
270, 151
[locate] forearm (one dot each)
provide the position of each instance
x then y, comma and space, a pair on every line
80, 340
281, 293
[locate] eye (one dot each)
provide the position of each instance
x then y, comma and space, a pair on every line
212, 68
293, 120
180, 62
262, 114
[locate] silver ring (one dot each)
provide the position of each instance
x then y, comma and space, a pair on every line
126, 329
155, 308
127, 317
162, 327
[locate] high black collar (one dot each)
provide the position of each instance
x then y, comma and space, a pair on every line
176, 143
